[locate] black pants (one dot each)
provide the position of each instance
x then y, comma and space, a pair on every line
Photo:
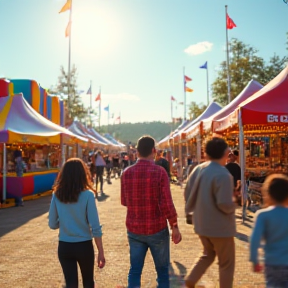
99, 176
72, 253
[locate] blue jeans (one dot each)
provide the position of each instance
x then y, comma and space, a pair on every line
276, 276
159, 247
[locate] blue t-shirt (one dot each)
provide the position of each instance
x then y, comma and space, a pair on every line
271, 226
77, 222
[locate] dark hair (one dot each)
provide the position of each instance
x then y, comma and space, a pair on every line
145, 146
236, 153
73, 178
216, 148
276, 186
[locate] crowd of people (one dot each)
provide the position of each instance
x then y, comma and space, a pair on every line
209, 203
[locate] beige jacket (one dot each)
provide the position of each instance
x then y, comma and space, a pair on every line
211, 201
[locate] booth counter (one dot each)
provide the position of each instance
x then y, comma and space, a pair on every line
29, 184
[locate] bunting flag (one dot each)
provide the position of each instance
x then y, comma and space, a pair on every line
204, 66
68, 29
187, 79
107, 108
66, 7
172, 98
187, 89
229, 22
98, 98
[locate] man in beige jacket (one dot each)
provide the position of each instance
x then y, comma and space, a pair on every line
209, 196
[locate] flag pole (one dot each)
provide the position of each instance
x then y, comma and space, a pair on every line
108, 119
90, 112
184, 94
69, 53
207, 74
171, 115
227, 51
90, 95
100, 108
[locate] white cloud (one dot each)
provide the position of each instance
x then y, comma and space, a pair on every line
199, 48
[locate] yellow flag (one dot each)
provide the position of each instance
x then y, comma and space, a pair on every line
66, 7
68, 30
187, 89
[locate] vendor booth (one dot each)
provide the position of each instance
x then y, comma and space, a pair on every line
193, 144
260, 125
25, 133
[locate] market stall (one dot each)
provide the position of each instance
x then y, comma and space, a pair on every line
192, 140
26, 133
261, 123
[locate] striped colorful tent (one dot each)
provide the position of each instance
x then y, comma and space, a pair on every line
20, 123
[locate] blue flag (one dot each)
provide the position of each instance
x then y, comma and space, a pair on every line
204, 66
107, 108
89, 92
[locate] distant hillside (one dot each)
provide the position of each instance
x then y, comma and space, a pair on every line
131, 132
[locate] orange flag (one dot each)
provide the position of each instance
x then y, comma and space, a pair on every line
98, 98
68, 30
187, 89
66, 7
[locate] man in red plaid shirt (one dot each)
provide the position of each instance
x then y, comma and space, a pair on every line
145, 191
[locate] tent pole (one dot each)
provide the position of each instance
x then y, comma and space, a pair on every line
242, 165
198, 147
4, 171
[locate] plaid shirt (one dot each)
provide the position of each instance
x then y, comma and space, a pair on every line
145, 190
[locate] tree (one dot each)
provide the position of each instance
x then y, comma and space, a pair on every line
196, 109
245, 65
74, 107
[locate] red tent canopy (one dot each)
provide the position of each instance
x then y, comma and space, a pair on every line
269, 105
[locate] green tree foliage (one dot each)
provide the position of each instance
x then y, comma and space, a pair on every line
131, 132
196, 110
245, 65
73, 104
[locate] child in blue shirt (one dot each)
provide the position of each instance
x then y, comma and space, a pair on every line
271, 226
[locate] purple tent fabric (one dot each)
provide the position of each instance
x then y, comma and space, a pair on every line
23, 119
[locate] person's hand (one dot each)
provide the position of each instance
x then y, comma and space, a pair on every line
176, 235
101, 260
257, 268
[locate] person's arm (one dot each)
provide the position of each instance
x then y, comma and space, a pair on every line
53, 214
166, 204
223, 192
96, 228
123, 198
190, 182
255, 239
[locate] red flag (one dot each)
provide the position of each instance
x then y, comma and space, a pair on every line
187, 79
118, 118
98, 98
172, 98
229, 22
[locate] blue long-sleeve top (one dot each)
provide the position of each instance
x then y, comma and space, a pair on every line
271, 226
77, 222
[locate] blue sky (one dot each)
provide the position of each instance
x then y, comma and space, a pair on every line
134, 49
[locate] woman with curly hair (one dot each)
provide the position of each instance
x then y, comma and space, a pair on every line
73, 211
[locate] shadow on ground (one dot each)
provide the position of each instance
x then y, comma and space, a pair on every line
14, 217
